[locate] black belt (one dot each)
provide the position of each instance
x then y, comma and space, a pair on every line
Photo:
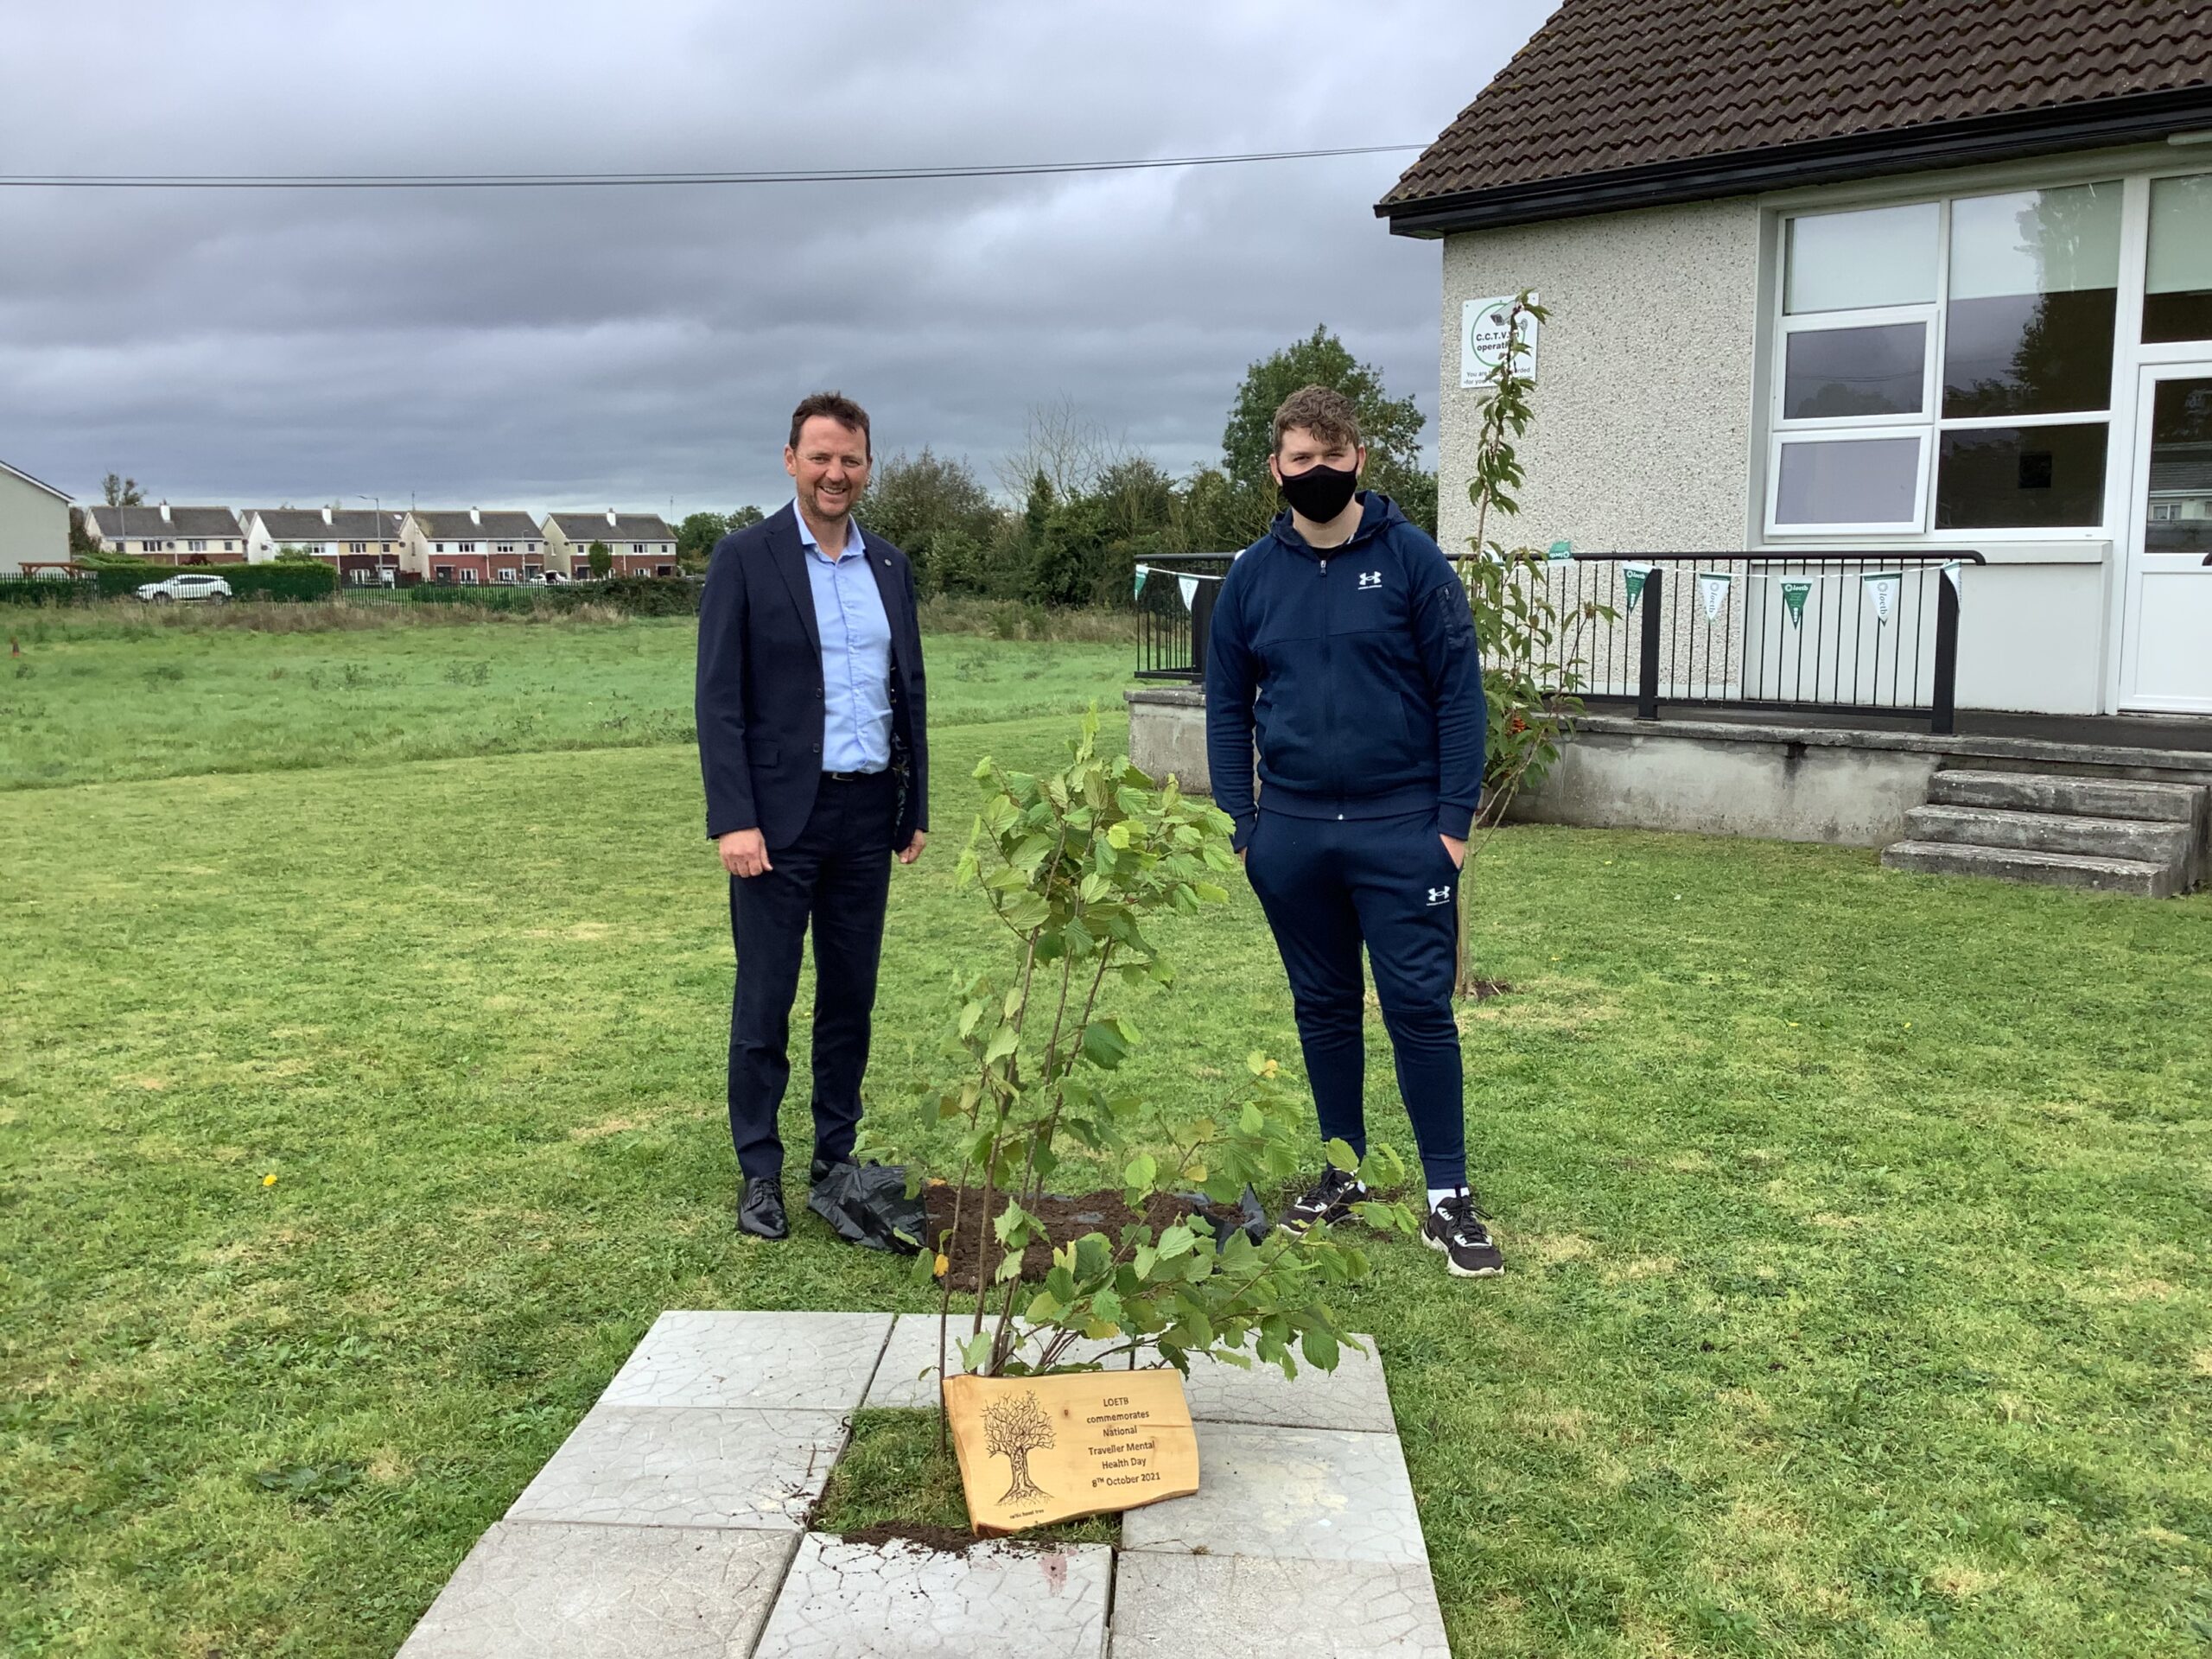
854, 777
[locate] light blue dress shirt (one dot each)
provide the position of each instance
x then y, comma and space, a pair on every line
856, 653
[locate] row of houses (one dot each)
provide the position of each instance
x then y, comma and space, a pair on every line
474, 546
370, 547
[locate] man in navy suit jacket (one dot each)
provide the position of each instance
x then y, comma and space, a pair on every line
813, 739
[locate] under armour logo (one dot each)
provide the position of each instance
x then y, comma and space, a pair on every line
1440, 895
1371, 579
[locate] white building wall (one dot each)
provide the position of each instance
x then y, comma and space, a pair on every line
33, 525
1650, 373
1643, 400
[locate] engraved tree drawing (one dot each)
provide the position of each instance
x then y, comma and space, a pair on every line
1013, 1428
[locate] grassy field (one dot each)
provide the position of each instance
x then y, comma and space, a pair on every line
102, 699
1856, 1223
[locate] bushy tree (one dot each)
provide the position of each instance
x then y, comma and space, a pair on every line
695, 537
120, 491
599, 559
935, 508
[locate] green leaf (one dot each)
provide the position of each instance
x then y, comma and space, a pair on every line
1177, 1239
1107, 1305
1118, 837
1319, 1349
1142, 1171
1103, 1045
1251, 1120
1044, 1308
1342, 1156
974, 1350
1003, 1042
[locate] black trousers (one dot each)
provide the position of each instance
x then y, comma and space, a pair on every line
835, 876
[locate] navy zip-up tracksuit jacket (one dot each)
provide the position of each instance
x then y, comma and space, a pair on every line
1355, 668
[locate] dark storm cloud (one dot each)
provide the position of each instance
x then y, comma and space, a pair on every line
583, 347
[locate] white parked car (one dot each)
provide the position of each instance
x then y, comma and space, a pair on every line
185, 585
547, 578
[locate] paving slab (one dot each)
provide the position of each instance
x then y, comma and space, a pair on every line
889, 1601
1352, 1396
788, 1361
1227, 1607
530, 1590
687, 1466
1294, 1494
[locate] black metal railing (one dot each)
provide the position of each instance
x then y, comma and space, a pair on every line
1789, 632
1171, 628
1784, 632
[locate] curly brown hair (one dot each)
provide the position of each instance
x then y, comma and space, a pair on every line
1323, 410
840, 409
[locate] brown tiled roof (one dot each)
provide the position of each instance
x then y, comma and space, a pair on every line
1614, 86
146, 524
492, 524
627, 527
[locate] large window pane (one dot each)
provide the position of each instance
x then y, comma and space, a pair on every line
1830, 372
2034, 285
2021, 477
1847, 482
1846, 261
2181, 468
2177, 295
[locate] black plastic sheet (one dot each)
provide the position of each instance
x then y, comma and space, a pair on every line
869, 1206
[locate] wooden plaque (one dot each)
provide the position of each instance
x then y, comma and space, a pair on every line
1035, 1450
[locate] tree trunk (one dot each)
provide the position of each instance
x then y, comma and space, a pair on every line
1023, 1486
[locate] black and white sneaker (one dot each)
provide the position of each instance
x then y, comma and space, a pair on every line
1330, 1200
1455, 1227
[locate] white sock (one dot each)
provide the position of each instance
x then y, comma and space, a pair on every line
1438, 1194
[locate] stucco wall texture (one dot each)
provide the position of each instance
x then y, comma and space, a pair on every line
1642, 439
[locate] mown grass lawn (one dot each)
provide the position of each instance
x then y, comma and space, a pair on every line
1856, 1223
100, 699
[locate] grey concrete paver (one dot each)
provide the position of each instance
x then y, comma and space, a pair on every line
791, 1362
890, 1601
536, 1591
1295, 1494
1227, 1607
687, 1466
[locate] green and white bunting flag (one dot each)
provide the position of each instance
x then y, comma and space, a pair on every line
1883, 589
1795, 590
1143, 570
1560, 550
1951, 570
1713, 591
1633, 576
1190, 586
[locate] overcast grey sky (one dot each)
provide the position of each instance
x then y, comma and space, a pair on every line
554, 348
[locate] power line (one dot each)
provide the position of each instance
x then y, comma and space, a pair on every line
583, 180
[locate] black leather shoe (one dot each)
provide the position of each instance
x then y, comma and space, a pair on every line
822, 1166
760, 1213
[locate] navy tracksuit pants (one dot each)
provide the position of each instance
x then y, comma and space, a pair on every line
1328, 885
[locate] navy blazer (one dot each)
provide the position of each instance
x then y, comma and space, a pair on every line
759, 693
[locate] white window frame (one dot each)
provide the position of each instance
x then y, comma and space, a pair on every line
1815, 432
1930, 422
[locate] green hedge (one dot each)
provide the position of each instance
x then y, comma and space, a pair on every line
285, 583
638, 596
286, 579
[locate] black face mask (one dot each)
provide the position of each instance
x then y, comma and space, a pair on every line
1319, 493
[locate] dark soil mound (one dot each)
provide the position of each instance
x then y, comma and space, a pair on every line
1065, 1218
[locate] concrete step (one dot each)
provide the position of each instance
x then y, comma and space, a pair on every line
2096, 797
2128, 876
2141, 839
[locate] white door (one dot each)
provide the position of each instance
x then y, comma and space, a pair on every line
2166, 657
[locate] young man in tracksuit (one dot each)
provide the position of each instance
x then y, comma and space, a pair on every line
1342, 641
